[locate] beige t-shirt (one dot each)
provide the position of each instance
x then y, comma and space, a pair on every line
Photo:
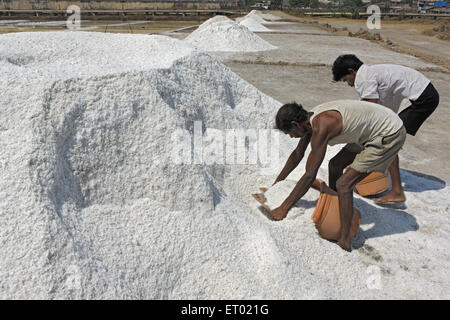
362, 121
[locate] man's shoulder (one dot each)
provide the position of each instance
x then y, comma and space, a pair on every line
327, 125
376, 69
387, 68
325, 118
364, 73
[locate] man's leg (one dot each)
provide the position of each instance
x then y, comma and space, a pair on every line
413, 117
345, 186
396, 194
337, 165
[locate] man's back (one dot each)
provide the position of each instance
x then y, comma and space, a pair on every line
390, 84
362, 121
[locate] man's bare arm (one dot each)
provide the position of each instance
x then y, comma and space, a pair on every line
318, 150
295, 158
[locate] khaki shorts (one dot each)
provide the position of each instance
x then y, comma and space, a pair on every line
377, 154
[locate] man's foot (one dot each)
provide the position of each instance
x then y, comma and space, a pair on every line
346, 245
391, 197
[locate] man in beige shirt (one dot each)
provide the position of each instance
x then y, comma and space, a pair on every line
378, 132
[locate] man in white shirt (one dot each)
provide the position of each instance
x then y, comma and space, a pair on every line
389, 85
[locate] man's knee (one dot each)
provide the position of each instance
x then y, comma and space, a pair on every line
343, 185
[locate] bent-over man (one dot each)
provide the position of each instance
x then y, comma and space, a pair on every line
378, 132
389, 85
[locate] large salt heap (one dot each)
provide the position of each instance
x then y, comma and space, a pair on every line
227, 36
87, 123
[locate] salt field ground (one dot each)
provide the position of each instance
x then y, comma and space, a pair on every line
92, 207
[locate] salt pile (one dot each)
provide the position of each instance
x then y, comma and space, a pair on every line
255, 15
93, 205
253, 25
227, 37
215, 19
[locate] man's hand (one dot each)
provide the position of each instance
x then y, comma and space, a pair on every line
278, 213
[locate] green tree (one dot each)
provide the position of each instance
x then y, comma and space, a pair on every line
353, 3
314, 3
298, 3
276, 3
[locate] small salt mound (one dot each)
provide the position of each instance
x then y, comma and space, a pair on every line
256, 16
277, 193
228, 37
254, 12
269, 16
253, 25
214, 19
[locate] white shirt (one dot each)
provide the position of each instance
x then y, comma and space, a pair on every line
390, 84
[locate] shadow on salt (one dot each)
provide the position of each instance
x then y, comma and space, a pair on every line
420, 182
389, 220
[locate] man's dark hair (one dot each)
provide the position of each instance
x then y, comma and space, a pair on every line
290, 112
343, 63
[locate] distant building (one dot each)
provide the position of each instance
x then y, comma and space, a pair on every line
431, 6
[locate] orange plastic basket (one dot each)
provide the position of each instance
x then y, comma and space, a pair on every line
374, 183
327, 218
